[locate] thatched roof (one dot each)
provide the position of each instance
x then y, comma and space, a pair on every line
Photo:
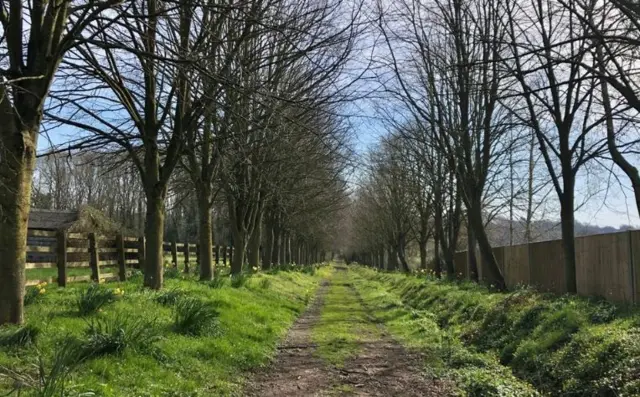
51, 219
84, 220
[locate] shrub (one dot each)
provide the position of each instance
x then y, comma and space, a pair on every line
113, 335
309, 269
603, 312
136, 275
172, 272
92, 299
18, 337
265, 283
239, 280
217, 282
194, 317
492, 382
169, 297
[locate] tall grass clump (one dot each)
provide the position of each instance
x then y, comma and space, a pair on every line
308, 269
94, 298
51, 377
239, 280
105, 336
217, 282
169, 297
194, 317
172, 272
265, 283
18, 337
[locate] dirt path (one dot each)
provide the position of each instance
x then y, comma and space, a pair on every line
375, 365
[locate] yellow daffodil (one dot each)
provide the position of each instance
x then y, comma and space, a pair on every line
42, 291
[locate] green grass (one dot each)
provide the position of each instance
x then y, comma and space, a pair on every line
501, 344
343, 324
250, 320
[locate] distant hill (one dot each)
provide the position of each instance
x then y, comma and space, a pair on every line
542, 230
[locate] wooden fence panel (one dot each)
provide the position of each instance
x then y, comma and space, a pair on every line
634, 238
516, 265
111, 254
546, 266
603, 266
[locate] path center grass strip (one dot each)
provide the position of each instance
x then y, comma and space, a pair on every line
191, 339
344, 324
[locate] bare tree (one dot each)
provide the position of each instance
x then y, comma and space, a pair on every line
557, 100
26, 73
134, 90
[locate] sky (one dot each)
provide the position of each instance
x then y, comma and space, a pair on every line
608, 202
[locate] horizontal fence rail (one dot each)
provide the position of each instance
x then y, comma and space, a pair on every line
109, 258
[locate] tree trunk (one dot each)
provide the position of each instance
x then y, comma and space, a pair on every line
239, 247
287, 250
423, 254
438, 239
401, 255
16, 173
472, 260
154, 234
568, 239
254, 244
205, 239
448, 262
282, 255
268, 248
529, 216
275, 253
392, 260
488, 259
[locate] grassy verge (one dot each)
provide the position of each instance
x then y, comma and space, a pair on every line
499, 343
343, 324
191, 339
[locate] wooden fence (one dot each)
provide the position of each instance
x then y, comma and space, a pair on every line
108, 257
607, 265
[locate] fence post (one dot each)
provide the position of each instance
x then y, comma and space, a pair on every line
61, 258
94, 259
216, 251
632, 269
197, 255
230, 255
142, 254
122, 264
174, 253
224, 256
186, 257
